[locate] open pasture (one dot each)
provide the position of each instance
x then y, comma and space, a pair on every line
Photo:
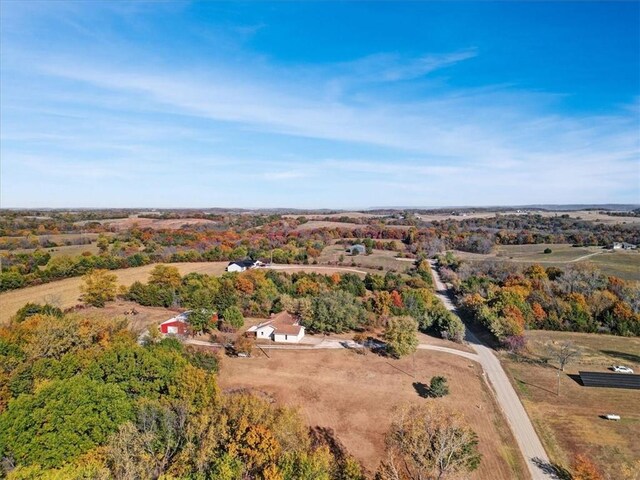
622, 264
571, 423
378, 258
123, 224
356, 396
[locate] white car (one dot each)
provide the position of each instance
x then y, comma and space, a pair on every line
622, 369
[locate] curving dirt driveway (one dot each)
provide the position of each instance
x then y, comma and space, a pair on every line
527, 438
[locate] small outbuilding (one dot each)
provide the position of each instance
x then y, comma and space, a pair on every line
624, 246
177, 325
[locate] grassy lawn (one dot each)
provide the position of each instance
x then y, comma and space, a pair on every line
356, 395
570, 423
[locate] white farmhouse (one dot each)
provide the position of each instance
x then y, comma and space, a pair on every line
241, 266
282, 328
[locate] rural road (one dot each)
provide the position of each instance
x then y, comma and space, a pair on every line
521, 426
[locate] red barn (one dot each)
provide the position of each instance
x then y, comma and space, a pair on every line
175, 326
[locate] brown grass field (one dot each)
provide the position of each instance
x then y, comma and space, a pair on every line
122, 224
320, 216
356, 395
313, 224
577, 214
570, 424
144, 317
621, 264
379, 258
70, 250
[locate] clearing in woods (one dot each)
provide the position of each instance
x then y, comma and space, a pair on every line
378, 258
622, 264
571, 423
356, 395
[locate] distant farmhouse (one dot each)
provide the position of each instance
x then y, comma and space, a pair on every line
282, 327
624, 246
242, 265
357, 249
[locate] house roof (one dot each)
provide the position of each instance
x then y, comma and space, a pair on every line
178, 319
283, 323
243, 263
289, 329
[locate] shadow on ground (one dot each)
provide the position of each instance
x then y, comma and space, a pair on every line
629, 357
422, 389
554, 470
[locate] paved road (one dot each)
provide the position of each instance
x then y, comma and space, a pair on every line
527, 438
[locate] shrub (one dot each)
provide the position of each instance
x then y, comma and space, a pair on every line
548, 250
438, 387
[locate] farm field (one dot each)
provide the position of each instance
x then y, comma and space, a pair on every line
378, 258
144, 317
577, 214
622, 264
71, 250
355, 396
570, 424
313, 224
122, 224
320, 216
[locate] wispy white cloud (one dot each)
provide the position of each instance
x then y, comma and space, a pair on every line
346, 125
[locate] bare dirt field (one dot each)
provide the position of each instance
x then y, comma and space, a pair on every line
378, 258
619, 263
138, 322
570, 424
65, 293
356, 395
121, 224
320, 216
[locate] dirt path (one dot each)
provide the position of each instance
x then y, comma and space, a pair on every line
521, 426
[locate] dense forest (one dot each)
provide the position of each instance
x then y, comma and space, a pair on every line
507, 298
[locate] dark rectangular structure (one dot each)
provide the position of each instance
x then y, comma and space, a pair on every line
610, 380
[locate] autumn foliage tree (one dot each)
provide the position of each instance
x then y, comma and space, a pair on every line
99, 287
585, 469
401, 336
429, 442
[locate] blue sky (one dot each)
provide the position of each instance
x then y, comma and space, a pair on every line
310, 105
